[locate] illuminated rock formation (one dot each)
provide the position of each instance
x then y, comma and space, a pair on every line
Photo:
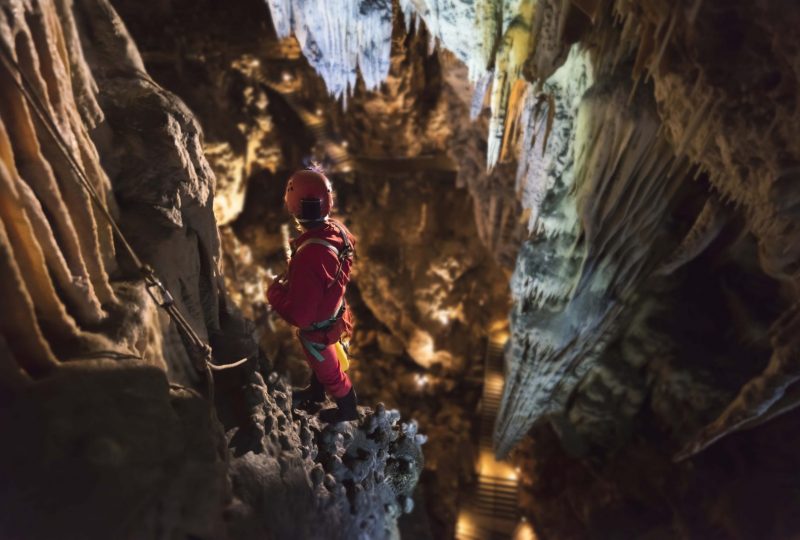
108, 435
654, 299
641, 186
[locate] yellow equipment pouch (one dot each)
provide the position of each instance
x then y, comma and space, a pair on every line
341, 354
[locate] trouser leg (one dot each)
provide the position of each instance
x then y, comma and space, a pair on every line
329, 372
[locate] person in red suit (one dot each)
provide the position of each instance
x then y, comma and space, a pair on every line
310, 295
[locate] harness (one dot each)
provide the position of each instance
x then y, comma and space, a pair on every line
342, 255
346, 253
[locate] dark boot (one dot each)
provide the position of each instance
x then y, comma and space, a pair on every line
345, 410
313, 393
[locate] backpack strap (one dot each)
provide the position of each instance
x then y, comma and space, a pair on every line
348, 247
346, 252
321, 242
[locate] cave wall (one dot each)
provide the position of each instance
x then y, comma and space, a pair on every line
88, 410
680, 30
653, 201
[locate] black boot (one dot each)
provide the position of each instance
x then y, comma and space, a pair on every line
345, 410
313, 393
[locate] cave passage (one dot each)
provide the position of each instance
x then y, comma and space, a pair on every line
574, 289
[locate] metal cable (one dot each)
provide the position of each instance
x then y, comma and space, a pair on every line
155, 288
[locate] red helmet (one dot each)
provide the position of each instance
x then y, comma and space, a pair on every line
309, 195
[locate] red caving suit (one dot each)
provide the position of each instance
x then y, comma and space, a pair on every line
310, 295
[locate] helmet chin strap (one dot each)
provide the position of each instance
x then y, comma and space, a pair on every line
320, 220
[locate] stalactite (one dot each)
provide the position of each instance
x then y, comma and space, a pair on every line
621, 194
58, 283
46, 66
358, 35
338, 42
31, 260
38, 174
511, 56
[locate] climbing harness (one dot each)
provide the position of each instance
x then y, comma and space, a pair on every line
155, 288
316, 348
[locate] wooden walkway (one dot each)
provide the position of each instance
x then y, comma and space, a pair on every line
490, 511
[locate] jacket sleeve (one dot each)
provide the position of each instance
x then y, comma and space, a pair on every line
298, 299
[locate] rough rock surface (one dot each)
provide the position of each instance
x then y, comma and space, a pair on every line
655, 299
108, 434
295, 478
142, 458
103, 448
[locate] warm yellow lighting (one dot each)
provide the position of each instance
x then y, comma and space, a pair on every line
318, 112
489, 466
286, 76
465, 526
524, 531
345, 144
421, 347
493, 383
422, 380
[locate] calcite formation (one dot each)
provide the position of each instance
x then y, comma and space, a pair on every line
655, 146
642, 160
340, 43
359, 34
648, 37
295, 478
684, 108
